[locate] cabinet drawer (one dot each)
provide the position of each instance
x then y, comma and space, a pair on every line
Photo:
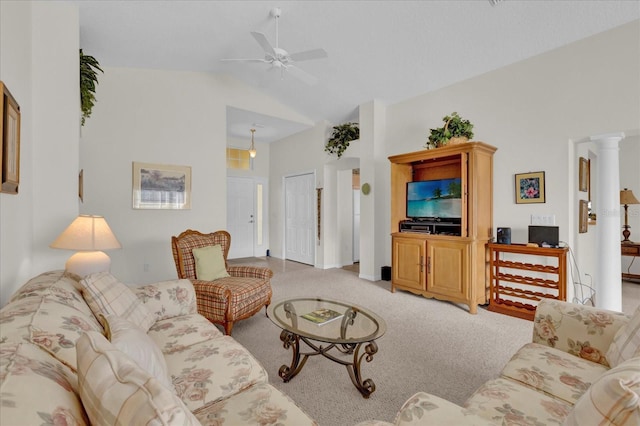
631, 250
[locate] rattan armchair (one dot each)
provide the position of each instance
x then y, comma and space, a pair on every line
225, 300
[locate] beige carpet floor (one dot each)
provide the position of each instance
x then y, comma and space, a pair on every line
430, 345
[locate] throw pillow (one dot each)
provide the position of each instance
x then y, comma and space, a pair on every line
613, 399
626, 342
114, 390
130, 339
209, 263
107, 296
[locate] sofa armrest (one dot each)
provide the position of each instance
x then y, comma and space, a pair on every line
250, 272
168, 299
580, 330
426, 409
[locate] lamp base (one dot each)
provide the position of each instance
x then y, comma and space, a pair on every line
87, 262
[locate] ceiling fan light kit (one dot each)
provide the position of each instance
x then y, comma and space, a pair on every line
280, 58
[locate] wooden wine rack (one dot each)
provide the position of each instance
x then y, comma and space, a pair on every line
517, 294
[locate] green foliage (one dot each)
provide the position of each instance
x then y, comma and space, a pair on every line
454, 127
340, 138
88, 80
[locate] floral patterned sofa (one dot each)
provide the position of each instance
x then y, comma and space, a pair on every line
582, 368
57, 366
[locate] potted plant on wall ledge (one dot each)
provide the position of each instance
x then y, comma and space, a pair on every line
340, 138
88, 80
455, 130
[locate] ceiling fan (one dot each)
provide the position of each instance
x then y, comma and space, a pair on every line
280, 58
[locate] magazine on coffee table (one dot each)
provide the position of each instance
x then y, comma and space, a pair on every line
322, 316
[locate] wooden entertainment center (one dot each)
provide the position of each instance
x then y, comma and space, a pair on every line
444, 262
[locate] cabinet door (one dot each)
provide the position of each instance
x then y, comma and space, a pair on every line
448, 268
408, 263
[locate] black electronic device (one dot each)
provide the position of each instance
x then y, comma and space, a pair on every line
504, 235
544, 236
439, 226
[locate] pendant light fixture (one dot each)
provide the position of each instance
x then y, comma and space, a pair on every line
252, 150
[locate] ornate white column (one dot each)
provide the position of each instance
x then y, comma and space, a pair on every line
608, 283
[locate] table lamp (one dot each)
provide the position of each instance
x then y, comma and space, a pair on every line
88, 235
626, 198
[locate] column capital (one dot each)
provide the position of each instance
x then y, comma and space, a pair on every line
607, 137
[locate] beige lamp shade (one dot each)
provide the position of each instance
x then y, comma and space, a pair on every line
627, 197
88, 235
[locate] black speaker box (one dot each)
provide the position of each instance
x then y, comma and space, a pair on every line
504, 235
386, 273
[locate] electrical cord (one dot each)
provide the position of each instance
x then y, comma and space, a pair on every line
578, 287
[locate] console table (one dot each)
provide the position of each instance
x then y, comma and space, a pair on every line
633, 250
516, 286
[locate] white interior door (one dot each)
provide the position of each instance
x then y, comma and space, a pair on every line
299, 220
241, 216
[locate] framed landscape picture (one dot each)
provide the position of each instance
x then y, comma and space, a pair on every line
530, 188
161, 186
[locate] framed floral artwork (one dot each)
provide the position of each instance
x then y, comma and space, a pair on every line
161, 186
530, 188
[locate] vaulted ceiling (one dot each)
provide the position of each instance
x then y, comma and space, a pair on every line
386, 50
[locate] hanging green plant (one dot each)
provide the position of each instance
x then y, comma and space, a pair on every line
88, 80
455, 130
340, 138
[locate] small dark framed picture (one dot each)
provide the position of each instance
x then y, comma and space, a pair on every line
530, 188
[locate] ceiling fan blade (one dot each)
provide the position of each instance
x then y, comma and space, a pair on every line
302, 75
308, 55
264, 43
245, 60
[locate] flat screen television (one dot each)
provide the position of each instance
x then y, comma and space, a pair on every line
434, 199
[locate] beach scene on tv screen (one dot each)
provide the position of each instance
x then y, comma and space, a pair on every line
440, 198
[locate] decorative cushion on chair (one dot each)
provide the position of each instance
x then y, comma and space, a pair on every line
108, 296
130, 339
626, 342
115, 390
210, 263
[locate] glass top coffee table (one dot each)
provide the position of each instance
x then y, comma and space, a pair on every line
346, 328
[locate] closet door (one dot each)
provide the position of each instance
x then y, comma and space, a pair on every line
300, 218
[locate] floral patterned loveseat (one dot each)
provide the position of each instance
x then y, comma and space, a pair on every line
58, 368
582, 368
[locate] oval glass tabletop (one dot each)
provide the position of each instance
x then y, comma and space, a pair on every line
325, 320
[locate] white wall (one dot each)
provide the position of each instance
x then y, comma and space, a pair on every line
39, 64
298, 154
164, 117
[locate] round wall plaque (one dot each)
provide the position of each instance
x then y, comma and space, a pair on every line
366, 189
